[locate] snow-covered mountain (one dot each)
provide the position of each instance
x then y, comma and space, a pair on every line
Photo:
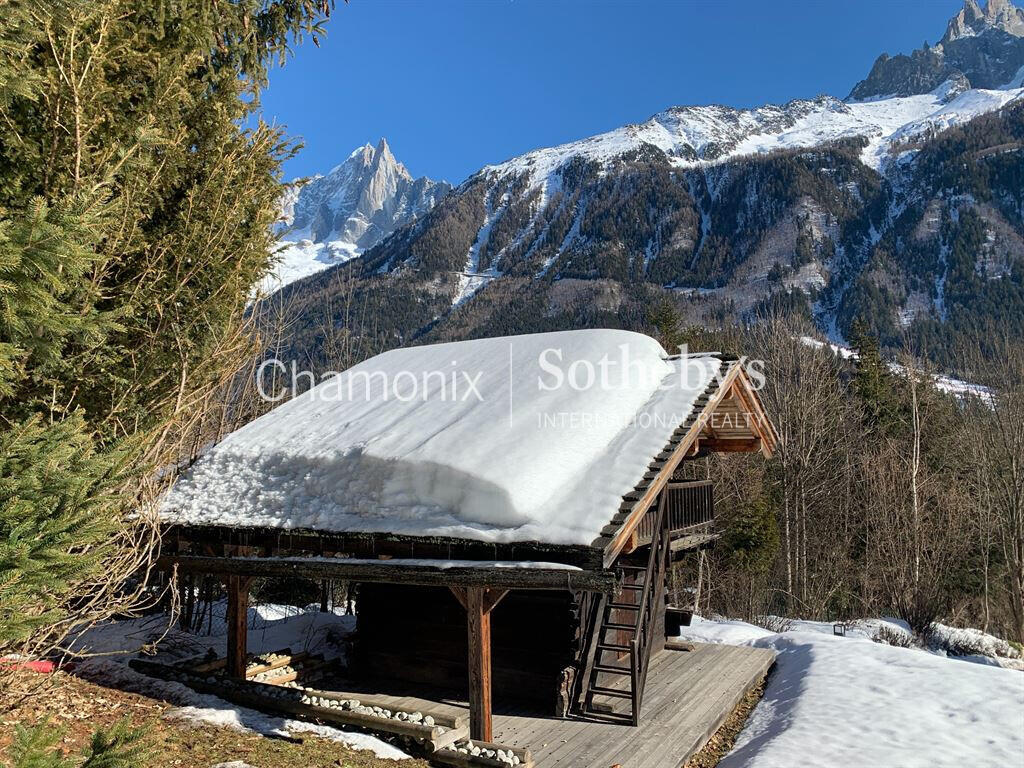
901, 205
329, 219
521, 204
693, 137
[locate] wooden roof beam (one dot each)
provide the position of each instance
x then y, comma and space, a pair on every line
395, 572
735, 445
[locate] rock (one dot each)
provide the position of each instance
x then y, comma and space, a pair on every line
428, 720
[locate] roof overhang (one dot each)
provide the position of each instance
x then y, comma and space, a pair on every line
731, 420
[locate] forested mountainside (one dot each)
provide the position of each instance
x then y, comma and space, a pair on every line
906, 212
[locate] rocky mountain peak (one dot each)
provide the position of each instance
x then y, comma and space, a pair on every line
972, 21
984, 47
328, 219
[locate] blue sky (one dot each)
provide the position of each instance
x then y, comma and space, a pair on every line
457, 84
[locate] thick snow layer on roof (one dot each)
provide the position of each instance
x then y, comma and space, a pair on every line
523, 438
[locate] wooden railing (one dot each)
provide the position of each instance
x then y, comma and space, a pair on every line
688, 505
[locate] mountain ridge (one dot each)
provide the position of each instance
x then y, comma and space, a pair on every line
906, 212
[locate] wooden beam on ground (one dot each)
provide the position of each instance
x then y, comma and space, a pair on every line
237, 619
478, 628
678, 645
284, 658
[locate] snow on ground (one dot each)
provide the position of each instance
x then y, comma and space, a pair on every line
848, 701
419, 441
271, 628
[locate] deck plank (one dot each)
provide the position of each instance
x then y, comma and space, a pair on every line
688, 695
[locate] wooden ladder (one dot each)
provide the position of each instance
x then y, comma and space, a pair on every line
621, 633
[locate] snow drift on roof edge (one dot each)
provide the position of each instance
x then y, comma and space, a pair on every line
471, 439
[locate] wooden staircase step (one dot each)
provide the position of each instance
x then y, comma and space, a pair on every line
612, 670
609, 716
600, 690
613, 647
644, 580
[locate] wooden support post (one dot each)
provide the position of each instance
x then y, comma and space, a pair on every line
324, 595
479, 602
478, 623
238, 608
184, 592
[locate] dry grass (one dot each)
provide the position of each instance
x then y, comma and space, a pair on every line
725, 737
78, 707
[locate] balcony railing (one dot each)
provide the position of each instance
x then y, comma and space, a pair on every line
690, 508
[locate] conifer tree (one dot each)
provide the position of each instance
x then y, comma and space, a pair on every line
39, 747
874, 383
667, 325
135, 214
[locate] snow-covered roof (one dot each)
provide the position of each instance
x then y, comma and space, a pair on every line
522, 438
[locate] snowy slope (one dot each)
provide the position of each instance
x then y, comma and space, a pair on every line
947, 384
698, 136
271, 627
847, 701
403, 443
331, 218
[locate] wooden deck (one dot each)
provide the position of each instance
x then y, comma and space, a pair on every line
689, 694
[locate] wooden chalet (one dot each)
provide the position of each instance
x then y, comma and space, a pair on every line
567, 631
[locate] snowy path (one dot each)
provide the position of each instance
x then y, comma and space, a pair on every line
849, 702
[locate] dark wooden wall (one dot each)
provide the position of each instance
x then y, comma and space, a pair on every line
418, 635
